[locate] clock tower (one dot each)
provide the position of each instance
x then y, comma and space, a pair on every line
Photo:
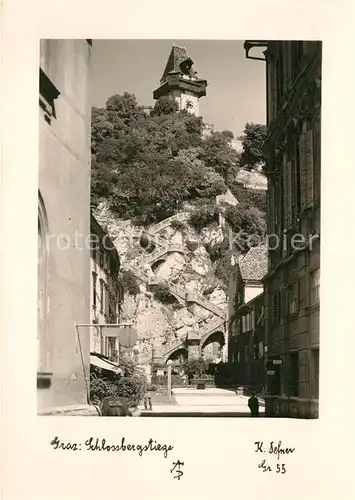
180, 81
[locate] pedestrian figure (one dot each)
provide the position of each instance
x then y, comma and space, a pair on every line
147, 398
253, 404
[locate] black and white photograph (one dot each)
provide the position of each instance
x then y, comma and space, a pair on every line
179, 228
167, 169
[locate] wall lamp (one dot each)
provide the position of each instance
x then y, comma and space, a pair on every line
251, 44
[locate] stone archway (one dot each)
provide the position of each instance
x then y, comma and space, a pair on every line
211, 347
154, 266
178, 356
174, 353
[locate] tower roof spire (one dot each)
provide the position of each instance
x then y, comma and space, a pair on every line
177, 56
180, 81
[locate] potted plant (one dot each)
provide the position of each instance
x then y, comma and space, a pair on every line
196, 371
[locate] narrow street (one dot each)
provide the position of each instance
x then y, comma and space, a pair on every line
191, 402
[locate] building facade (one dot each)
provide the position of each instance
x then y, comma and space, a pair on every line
106, 294
180, 81
293, 149
247, 320
63, 224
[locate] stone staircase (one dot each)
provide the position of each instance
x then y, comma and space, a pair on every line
141, 275
179, 293
158, 240
160, 253
206, 304
181, 217
171, 347
210, 328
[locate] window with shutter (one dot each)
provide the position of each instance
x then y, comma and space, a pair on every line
275, 209
302, 168
107, 301
297, 52
315, 372
304, 291
279, 80
294, 297
296, 183
314, 286
273, 317
101, 296
279, 209
94, 281
260, 349
293, 374
284, 303
317, 159
285, 195
289, 192
276, 307
309, 168
278, 303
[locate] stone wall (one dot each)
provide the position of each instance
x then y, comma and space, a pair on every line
160, 324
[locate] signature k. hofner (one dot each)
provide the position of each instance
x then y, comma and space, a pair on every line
273, 449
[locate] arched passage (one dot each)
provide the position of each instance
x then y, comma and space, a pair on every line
175, 351
178, 356
154, 266
211, 347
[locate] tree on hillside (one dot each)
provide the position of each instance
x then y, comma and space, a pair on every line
126, 107
227, 134
219, 155
143, 165
166, 105
253, 140
248, 225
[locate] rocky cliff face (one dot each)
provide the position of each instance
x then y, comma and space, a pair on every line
179, 295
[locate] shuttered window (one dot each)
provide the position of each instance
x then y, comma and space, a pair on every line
101, 296
285, 193
314, 286
289, 192
284, 302
317, 159
304, 291
309, 168
275, 307
273, 310
279, 81
306, 169
297, 53
294, 297
94, 281
107, 301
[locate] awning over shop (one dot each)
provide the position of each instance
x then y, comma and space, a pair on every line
105, 364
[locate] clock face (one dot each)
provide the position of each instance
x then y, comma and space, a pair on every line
190, 103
